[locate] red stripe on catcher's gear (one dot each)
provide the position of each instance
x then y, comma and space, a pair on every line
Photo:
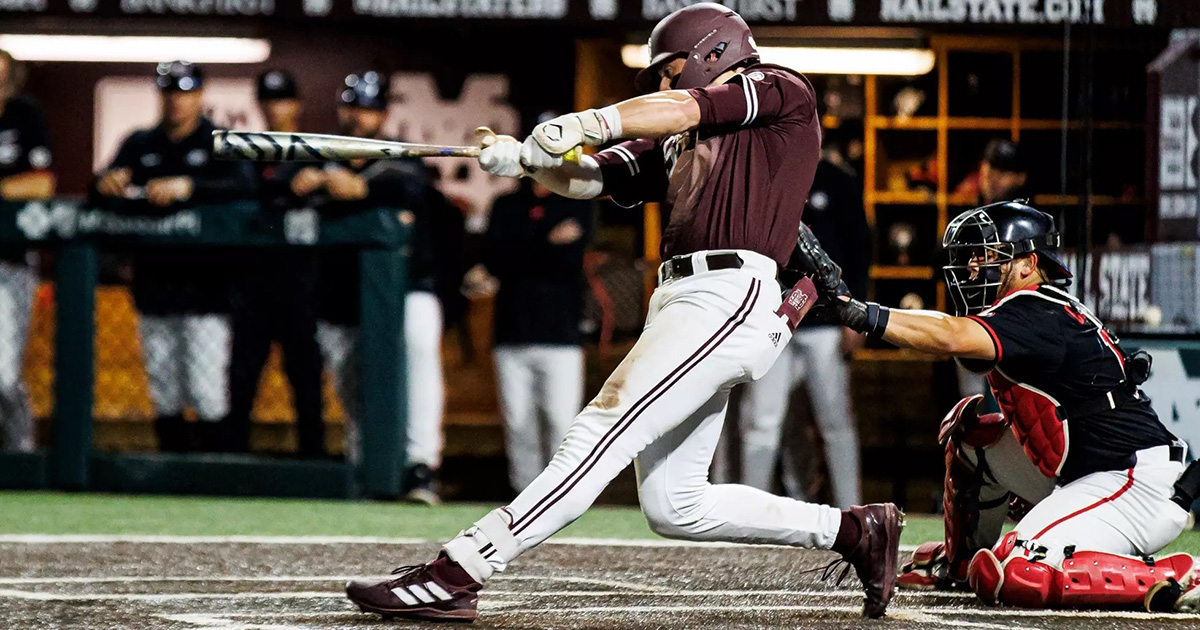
1035, 422
1088, 579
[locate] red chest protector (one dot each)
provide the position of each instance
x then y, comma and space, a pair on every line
1035, 422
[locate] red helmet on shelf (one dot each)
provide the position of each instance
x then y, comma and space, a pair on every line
712, 37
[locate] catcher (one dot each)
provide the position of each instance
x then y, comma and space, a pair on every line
1076, 437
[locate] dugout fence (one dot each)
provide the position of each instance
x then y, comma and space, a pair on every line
77, 235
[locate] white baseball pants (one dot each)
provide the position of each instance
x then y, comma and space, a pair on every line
536, 380
1006, 468
1127, 512
426, 386
187, 363
813, 358
17, 286
663, 408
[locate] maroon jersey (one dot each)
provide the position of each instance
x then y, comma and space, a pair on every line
740, 179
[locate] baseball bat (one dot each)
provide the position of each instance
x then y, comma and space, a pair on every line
272, 146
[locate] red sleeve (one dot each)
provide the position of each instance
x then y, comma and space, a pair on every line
756, 97
633, 172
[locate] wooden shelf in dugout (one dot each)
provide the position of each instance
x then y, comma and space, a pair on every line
901, 272
909, 197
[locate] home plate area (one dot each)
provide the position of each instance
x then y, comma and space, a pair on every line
272, 584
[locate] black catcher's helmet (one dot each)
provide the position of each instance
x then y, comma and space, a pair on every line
979, 241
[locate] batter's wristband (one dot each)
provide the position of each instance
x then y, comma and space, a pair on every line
877, 319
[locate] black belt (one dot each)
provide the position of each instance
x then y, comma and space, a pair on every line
681, 266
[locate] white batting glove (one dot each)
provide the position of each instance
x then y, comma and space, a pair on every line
502, 156
534, 157
588, 128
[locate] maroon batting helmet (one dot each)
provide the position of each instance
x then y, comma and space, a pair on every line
710, 36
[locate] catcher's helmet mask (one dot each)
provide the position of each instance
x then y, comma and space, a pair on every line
979, 242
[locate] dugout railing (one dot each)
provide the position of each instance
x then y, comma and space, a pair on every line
75, 234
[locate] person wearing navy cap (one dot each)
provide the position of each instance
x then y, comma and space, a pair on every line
25, 175
182, 295
403, 184
279, 99
274, 295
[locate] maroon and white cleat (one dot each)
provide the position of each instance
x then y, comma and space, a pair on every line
439, 591
875, 556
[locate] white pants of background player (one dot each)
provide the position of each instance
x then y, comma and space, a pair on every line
1127, 512
17, 286
536, 380
426, 389
663, 408
813, 358
187, 363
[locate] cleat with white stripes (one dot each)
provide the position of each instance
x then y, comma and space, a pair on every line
439, 591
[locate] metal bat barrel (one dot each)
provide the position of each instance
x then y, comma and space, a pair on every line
267, 146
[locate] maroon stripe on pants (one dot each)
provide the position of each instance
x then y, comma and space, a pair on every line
600, 444
707, 348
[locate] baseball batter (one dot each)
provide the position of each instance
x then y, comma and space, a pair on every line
1076, 437
729, 146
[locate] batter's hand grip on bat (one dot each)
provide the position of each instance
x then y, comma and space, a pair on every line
487, 138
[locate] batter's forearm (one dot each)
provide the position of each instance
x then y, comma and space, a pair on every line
658, 115
577, 180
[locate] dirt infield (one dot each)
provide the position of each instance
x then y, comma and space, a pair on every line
269, 584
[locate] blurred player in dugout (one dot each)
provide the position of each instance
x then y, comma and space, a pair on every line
815, 357
534, 248
24, 176
437, 233
275, 294
182, 295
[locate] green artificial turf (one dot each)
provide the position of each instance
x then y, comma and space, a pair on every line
63, 513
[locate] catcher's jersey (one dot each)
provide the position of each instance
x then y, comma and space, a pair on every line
1053, 354
738, 181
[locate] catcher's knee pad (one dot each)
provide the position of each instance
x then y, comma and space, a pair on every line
1088, 579
969, 427
1094, 578
986, 572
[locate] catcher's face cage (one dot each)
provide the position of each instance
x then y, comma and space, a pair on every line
975, 255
